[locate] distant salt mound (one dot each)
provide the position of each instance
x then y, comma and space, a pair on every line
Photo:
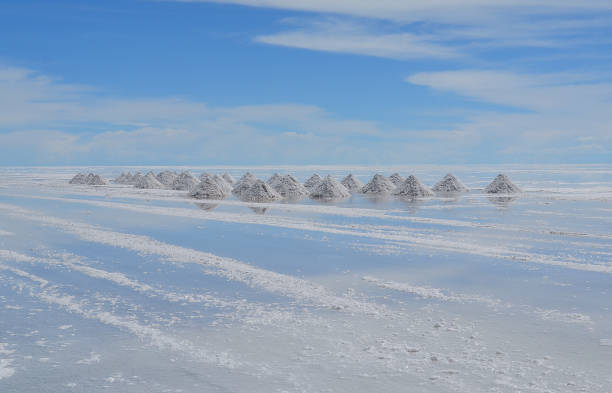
502, 185
259, 191
136, 178
450, 183
243, 183
95, 180
413, 188
313, 182
211, 188
79, 178
330, 188
228, 178
396, 179
148, 181
166, 178
185, 181
223, 184
352, 183
274, 179
378, 185
90, 179
289, 187
125, 178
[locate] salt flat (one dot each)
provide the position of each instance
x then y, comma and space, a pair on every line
138, 290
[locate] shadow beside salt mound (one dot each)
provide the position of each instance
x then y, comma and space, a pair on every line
329, 190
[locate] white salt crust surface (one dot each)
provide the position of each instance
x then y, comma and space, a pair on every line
175, 315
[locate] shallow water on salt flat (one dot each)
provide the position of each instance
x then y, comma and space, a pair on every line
464, 293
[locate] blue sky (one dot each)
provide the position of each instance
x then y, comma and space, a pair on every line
305, 82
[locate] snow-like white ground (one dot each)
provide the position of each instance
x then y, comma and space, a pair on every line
113, 288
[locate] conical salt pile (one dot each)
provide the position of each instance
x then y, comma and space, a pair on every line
223, 184
289, 187
95, 180
124, 178
502, 185
136, 178
396, 179
259, 191
273, 180
352, 183
228, 178
211, 188
313, 182
148, 181
166, 178
185, 181
243, 183
79, 178
378, 185
330, 188
450, 183
413, 188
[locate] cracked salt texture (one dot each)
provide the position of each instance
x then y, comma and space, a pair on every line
243, 183
149, 181
413, 188
259, 191
352, 183
378, 185
502, 185
396, 179
184, 182
211, 188
450, 183
313, 182
289, 187
330, 188
166, 178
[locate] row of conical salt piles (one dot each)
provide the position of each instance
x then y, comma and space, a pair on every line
90, 179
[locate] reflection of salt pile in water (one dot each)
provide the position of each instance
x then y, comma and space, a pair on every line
352, 183
166, 178
288, 187
378, 185
259, 191
228, 178
148, 181
502, 185
413, 188
259, 210
211, 187
243, 183
313, 182
450, 183
125, 178
90, 179
185, 181
330, 188
396, 179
